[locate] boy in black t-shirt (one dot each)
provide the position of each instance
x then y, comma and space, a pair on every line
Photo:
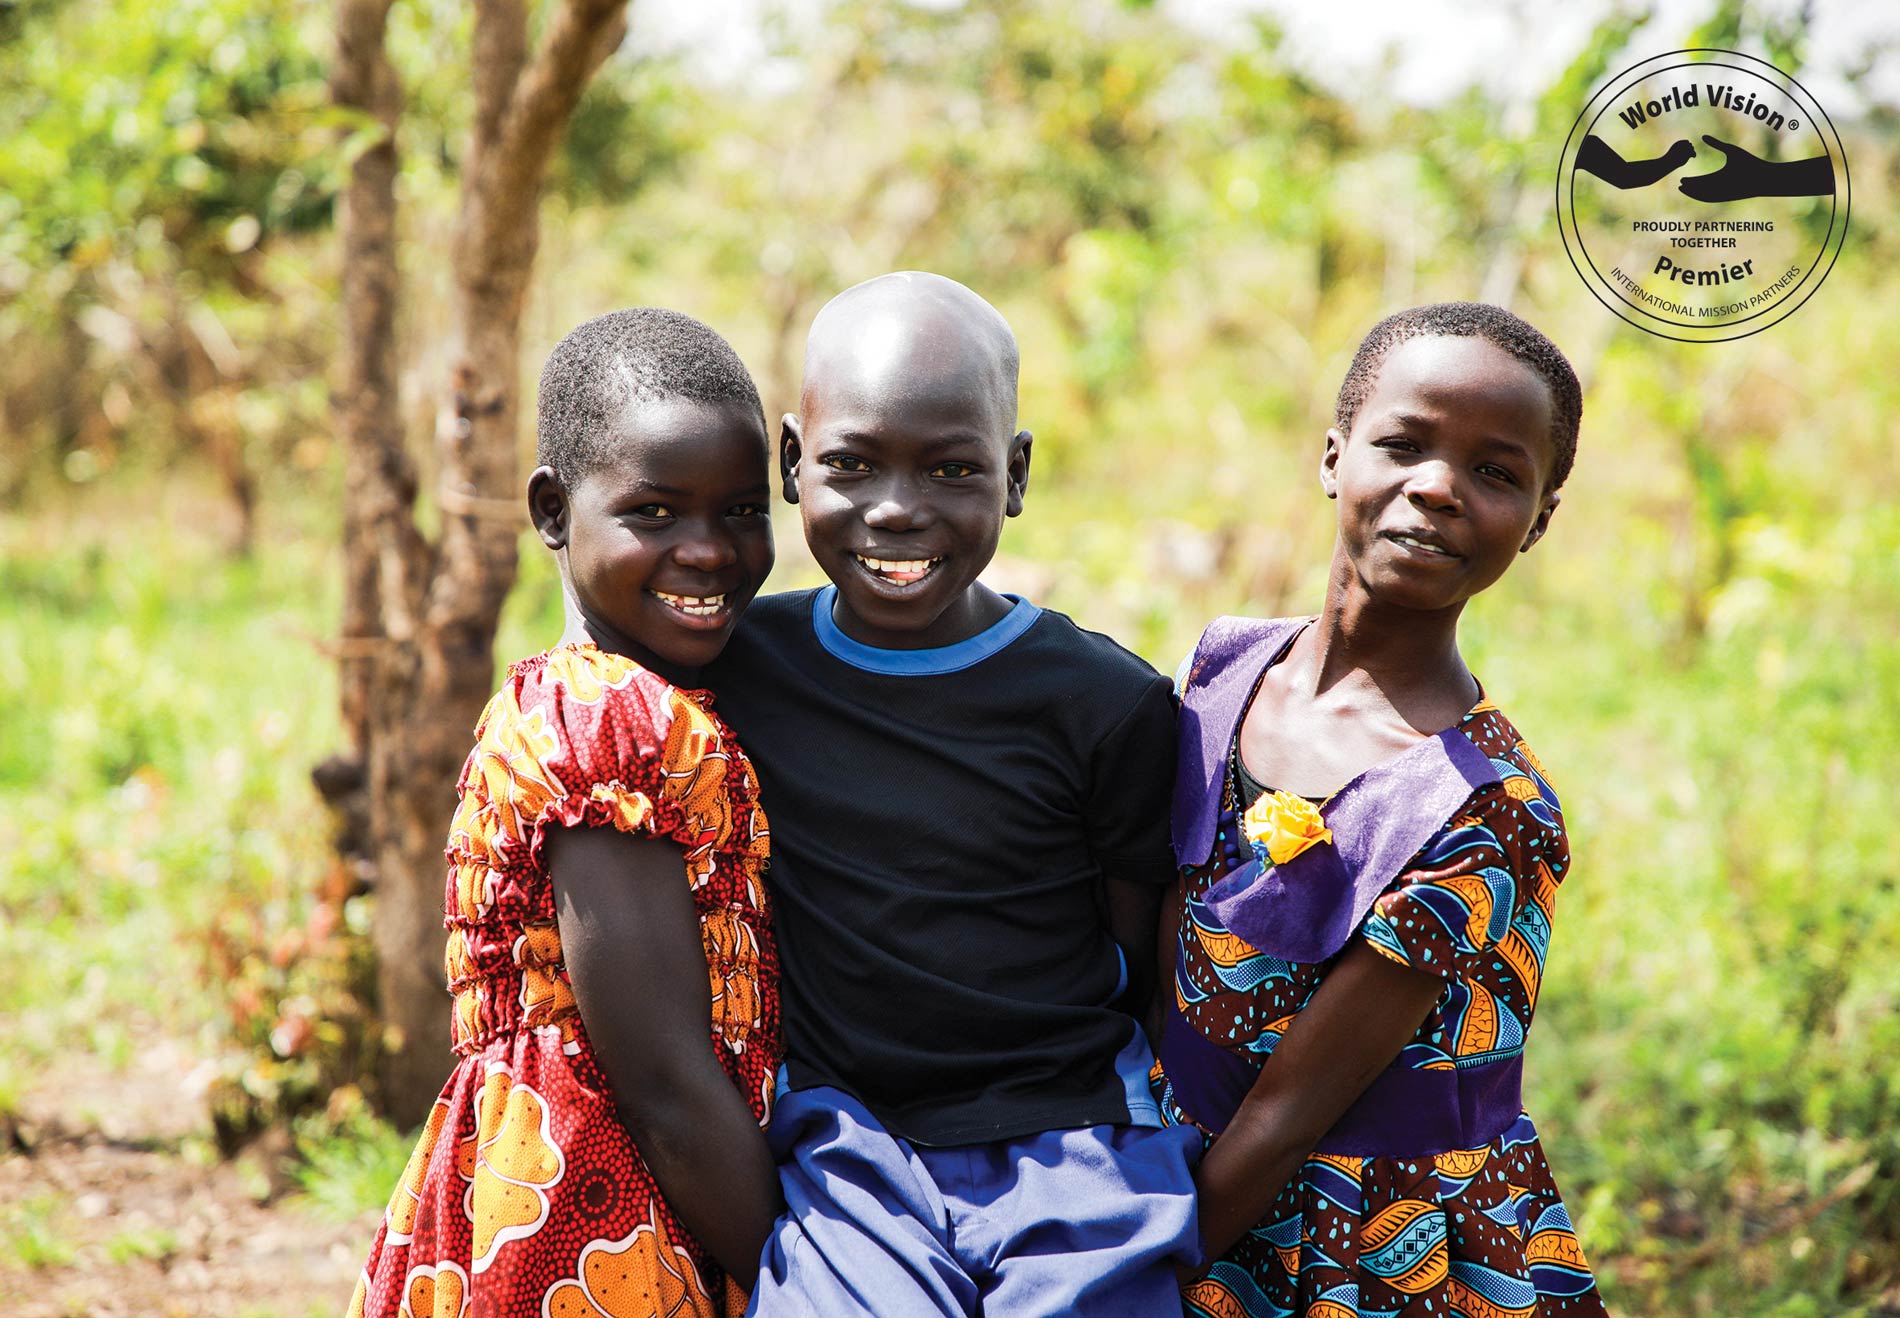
968, 799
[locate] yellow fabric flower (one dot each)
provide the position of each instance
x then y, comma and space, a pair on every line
1285, 825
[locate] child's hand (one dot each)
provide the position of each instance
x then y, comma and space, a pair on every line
1368, 1008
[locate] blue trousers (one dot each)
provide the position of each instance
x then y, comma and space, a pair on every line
1087, 1222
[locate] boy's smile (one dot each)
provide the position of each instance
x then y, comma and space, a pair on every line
1443, 480
663, 546
903, 462
898, 571
903, 503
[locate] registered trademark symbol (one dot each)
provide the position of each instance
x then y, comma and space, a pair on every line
1794, 123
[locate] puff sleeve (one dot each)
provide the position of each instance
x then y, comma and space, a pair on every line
581, 738
1475, 903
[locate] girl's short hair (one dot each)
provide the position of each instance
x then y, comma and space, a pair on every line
1478, 320
639, 355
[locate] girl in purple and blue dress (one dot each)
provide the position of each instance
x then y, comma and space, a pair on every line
1371, 857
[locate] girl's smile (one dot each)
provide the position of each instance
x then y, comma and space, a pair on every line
693, 606
1422, 540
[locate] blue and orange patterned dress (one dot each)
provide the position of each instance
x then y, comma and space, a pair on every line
526, 1197
1431, 1197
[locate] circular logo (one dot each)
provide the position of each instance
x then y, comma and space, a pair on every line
1703, 195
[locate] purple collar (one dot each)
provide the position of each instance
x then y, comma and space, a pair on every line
1227, 663
1305, 910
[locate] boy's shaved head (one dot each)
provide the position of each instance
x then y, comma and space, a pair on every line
904, 457
909, 334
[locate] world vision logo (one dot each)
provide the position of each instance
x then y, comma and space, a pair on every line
1703, 195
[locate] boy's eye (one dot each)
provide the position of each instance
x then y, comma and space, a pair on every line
1397, 443
654, 512
1498, 473
845, 462
746, 510
953, 470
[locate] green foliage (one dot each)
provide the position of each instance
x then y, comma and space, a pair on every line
154, 181
633, 127
349, 1159
298, 981
163, 859
202, 131
30, 1232
154, 1243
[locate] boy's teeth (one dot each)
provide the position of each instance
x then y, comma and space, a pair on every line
899, 567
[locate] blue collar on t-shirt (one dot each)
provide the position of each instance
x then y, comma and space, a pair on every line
920, 663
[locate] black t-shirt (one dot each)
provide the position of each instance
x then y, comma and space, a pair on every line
942, 822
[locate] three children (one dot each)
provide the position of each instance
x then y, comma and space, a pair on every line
971, 801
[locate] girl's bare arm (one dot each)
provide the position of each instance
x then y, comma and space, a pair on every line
630, 936
1368, 1008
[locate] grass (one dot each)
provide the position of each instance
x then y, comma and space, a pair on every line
162, 706
169, 703
154, 1244
12, 1086
149, 765
30, 1233
348, 1165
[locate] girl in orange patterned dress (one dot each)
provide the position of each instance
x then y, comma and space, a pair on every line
598, 1151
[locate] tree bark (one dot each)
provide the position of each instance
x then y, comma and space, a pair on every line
419, 618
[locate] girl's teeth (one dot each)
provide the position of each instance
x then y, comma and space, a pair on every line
700, 606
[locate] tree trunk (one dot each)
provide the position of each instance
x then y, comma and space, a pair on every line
419, 618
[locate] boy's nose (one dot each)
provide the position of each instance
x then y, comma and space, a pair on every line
896, 510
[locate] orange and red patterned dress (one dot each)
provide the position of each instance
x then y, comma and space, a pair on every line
526, 1196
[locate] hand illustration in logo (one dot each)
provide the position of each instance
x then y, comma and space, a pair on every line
1744, 174
1598, 157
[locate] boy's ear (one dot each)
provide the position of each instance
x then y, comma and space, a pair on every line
790, 450
547, 508
1542, 524
1329, 464
1017, 472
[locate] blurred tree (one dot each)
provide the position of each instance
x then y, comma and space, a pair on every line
419, 612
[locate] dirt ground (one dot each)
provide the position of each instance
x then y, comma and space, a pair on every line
112, 1201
